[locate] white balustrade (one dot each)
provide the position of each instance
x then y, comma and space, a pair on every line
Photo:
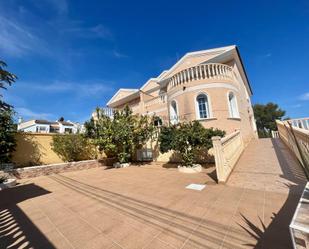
203, 71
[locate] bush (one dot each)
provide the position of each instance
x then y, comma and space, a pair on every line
73, 147
187, 139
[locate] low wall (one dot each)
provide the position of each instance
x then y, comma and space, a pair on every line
227, 151
34, 149
28, 172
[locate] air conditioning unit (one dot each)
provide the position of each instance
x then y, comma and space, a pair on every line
144, 155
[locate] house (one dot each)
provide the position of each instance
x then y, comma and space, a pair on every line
45, 126
210, 86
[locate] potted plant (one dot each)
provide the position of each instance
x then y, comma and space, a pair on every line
6, 181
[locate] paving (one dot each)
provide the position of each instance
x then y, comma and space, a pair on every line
149, 206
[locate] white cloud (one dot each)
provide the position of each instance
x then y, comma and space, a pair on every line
297, 106
16, 40
119, 55
27, 113
80, 89
60, 6
98, 31
304, 96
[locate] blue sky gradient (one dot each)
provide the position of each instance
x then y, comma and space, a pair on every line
71, 56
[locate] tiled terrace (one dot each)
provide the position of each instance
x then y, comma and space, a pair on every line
149, 207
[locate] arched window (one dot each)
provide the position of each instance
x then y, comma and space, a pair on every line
202, 106
173, 112
233, 105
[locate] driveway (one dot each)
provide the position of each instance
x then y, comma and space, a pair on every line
149, 207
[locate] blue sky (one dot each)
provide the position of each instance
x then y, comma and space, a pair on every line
71, 56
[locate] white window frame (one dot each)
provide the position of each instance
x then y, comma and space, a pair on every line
174, 120
197, 110
233, 113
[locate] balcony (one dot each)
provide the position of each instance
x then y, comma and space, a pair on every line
209, 71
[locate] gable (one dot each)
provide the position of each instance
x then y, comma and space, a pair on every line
150, 84
195, 58
121, 93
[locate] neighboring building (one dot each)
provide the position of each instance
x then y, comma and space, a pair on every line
210, 86
44, 126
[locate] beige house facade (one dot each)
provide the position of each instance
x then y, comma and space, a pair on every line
210, 86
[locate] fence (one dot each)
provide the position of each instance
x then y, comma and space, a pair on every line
227, 151
297, 140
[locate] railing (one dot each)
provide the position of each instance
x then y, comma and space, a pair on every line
297, 140
227, 151
302, 123
299, 228
202, 71
275, 134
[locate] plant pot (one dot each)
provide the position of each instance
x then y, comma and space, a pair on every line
197, 168
121, 165
8, 183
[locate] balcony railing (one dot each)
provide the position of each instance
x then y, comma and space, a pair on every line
203, 71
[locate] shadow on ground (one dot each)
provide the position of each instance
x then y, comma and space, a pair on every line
274, 236
16, 229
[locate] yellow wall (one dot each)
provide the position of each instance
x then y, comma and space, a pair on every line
34, 149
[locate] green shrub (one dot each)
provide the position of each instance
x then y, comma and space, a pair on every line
73, 147
187, 139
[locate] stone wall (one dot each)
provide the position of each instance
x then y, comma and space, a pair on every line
35, 171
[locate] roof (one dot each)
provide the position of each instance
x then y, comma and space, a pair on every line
213, 55
66, 123
126, 91
42, 121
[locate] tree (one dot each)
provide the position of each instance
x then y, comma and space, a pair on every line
6, 78
7, 126
73, 147
187, 139
266, 116
61, 119
121, 135
7, 135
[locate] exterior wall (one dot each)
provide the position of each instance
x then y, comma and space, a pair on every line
188, 78
34, 149
34, 127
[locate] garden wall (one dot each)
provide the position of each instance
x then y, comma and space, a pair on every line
34, 149
35, 171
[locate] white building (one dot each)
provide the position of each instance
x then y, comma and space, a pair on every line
45, 126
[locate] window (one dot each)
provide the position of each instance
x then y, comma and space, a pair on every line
67, 130
233, 105
173, 112
157, 122
40, 129
202, 106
